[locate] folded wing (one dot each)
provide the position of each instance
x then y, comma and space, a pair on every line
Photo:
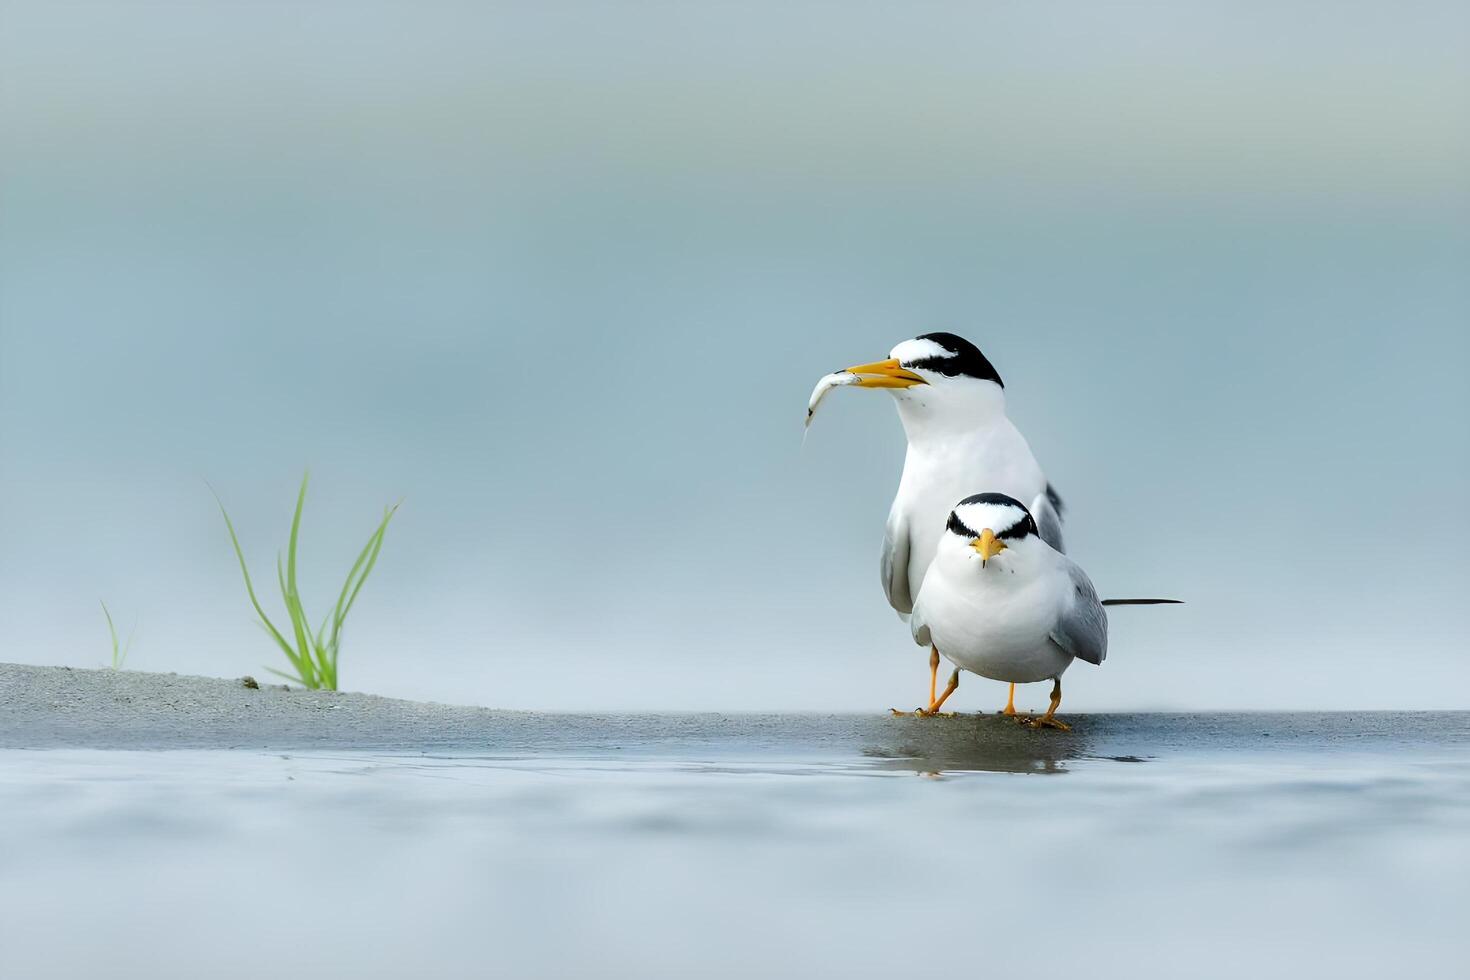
1082, 629
894, 563
1046, 509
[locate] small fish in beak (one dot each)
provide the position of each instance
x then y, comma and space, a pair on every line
837, 379
879, 374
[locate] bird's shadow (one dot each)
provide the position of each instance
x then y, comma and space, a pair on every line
974, 743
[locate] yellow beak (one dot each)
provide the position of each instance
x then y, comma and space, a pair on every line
885, 374
988, 545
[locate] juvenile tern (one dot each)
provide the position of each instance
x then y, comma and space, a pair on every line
1000, 602
951, 401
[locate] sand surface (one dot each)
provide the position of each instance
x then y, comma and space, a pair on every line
49, 707
59, 707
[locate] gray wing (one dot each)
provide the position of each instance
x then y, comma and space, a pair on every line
917, 626
1082, 629
894, 564
1046, 509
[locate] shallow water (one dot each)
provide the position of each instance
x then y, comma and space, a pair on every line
1208, 846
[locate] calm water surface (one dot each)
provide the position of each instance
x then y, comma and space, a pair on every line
1215, 846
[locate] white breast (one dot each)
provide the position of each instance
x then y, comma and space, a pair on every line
939, 474
993, 626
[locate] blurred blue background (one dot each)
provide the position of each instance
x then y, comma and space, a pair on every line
561, 276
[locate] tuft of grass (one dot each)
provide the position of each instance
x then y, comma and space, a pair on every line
313, 655
119, 653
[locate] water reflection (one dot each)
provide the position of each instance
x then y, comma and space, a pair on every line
974, 743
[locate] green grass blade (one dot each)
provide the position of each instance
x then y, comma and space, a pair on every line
112, 631
340, 610
280, 642
370, 553
289, 677
300, 657
249, 586
288, 588
327, 666
350, 588
321, 665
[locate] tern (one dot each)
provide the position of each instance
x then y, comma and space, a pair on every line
1000, 602
952, 404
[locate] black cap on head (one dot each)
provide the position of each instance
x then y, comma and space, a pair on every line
964, 359
1023, 525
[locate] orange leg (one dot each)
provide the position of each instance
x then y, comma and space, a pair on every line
1047, 720
1010, 709
950, 688
933, 671
933, 684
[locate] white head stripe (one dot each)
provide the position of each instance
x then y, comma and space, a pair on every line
917, 350
997, 517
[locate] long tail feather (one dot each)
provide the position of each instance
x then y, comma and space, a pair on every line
1143, 602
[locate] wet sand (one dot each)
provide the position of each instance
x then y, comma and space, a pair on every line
58, 707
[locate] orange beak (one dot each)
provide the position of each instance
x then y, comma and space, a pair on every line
885, 374
988, 545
